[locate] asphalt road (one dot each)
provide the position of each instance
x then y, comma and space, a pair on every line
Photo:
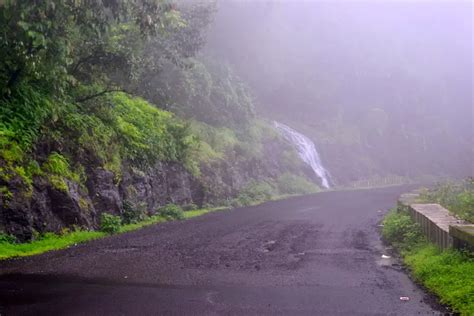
315, 255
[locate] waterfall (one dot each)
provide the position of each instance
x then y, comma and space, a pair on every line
306, 150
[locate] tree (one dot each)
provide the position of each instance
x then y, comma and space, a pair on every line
57, 45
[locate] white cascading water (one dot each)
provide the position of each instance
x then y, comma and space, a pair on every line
306, 150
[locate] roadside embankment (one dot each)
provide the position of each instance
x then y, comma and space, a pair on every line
441, 259
437, 223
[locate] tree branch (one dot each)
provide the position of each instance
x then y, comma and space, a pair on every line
95, 95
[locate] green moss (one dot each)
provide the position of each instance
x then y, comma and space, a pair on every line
58, 169
83, 204
58, 183
5, 174
11, 152
25, 177
33, 169
57, 164
6, 194
114, 164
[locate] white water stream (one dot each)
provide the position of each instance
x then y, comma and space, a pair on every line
306, 150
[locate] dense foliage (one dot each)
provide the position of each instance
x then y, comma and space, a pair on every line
61, 67
117, 87
400, 230
171, 211
206, 90
57, 45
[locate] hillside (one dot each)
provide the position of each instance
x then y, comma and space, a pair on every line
93, 119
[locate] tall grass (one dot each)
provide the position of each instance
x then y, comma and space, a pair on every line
457, 197
448, 274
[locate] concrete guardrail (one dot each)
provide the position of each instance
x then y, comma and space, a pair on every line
438, 224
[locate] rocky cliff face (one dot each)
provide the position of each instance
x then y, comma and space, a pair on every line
46, 208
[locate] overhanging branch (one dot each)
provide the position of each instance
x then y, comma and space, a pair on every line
96, 95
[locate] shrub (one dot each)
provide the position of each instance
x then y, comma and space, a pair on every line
292, 184
400, 230
133, 213
171, 211
190, 207
147, 134
57, 164
255, 191
6, 238
109, 223
241, 200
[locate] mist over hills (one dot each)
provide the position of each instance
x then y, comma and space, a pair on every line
391, 80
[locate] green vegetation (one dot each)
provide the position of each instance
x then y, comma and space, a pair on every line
448, 273
133, 212
148, 134
195, 213
206, 90
5, 238
457, 197
289, 183
244, 143
109, 223
58, 169
171, 211
47, 242
255, 192
401, 231
118, 85
62, 69
121, 128
286, 185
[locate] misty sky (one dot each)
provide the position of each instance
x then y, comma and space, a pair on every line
414, 56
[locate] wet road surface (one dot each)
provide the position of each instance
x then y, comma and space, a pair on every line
314, 255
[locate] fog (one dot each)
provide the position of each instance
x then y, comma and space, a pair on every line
378, 85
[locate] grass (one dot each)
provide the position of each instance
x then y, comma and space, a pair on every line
46, 243
449, 274
457, 197
51, 241
195, 213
